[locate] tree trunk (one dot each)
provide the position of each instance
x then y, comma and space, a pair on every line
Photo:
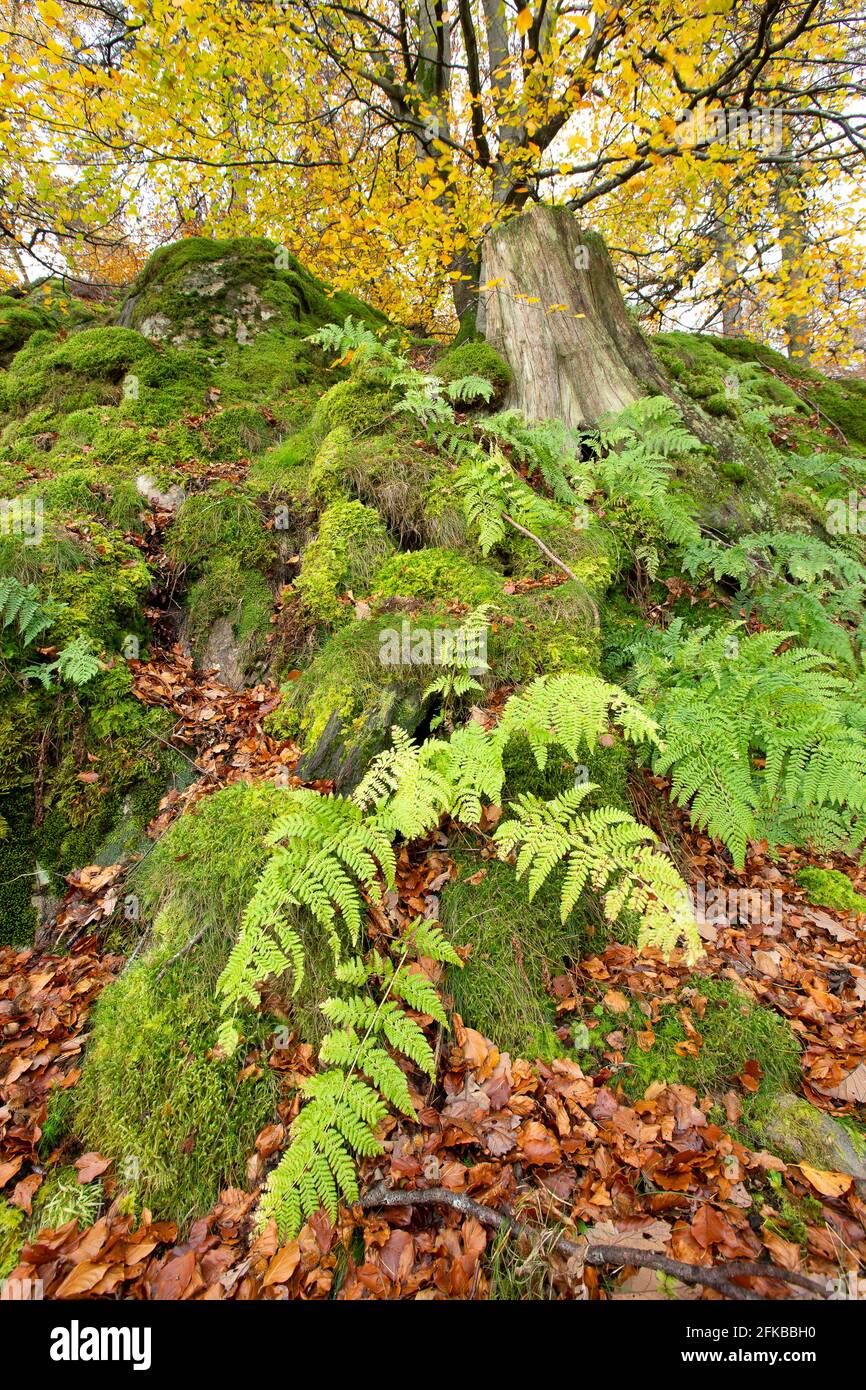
555, 312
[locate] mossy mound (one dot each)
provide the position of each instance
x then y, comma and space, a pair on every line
46, 304
476, 359
829, 888
517, 947
200, 290
727, 1030
178, 1120
728, 376
350, 544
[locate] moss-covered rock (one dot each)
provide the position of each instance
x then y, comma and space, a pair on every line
350, 544
476, 359
178, 1121
800, 1133
232, 290
228, 590
358, 405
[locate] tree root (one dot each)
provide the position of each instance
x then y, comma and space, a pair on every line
714, 1276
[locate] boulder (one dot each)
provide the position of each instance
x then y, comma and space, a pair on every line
800, 1133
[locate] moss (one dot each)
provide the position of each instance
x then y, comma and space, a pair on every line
829, 888
543, 630
351, 542
325, 483
409, 484
348, 681
607, 768
56, 1126
228, 589
237, 431
286, 466
358, 404
178, 1121
517, 948
798, 1132
436, 575
733, 1031
224, 520
845, 404
103, 598
476, 359
17, 868
17, 323
12, 1233
200, 287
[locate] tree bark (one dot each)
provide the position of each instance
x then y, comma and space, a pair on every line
555, 312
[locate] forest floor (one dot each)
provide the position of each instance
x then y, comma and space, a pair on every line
519, 1178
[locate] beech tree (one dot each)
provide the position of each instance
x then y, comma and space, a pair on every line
695, 134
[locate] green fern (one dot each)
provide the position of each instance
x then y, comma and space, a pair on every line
324, 855
572, 709
605, 850
348, 1101
760, 744
22, 608
329, 852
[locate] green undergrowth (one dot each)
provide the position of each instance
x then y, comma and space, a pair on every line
12, 1234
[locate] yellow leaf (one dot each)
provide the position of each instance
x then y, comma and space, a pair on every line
524, 21
828, 1184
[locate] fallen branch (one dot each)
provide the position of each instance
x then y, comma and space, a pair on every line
193, 941
554, 559
713, 1276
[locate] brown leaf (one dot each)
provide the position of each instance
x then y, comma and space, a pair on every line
80, 1280
8, 1170
22, 1195
173, 1278
616, 1002
283, 1265
90, 1166
852, 1087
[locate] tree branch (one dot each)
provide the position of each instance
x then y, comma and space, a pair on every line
711, 1276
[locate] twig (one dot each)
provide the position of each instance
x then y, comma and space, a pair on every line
193, 941
555, 559
714, 1277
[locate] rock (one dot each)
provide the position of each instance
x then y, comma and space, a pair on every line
223, 652
165, 501
798, 1132
232, 291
